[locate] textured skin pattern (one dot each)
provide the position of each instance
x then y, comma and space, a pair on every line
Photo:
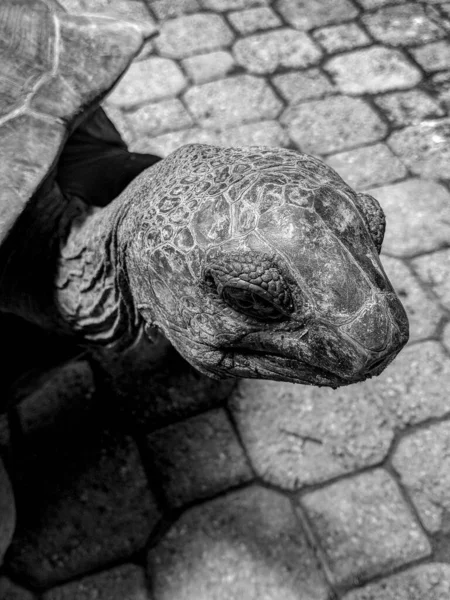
260, 262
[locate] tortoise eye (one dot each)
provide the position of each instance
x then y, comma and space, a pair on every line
251, 304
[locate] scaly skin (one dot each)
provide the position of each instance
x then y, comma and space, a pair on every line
253, 262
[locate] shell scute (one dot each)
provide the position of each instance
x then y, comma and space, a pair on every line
53, 66
26, 51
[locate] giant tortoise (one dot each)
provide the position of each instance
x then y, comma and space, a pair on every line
253, 262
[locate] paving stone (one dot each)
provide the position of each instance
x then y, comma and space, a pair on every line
223, 5
147, 50
231, 101
364, 526
372, 70
333, 124
300, 435
131, 10
368, 166
424, 148
210, 66
64, 396
122, 583
409, 107
369, 4
433, 57
167, 10
254, 19
148, 81
440, 85
423, 312
338, 38
11, 591
446, 337
160, 117
192, 34
151, 399
434, 271
266, 52
302, 85
163, 145
306, 14
422, 460
402, 25
7, 512
261, 133
84, 503
414, 387
247, 544
417, 214
429, 581
198, 457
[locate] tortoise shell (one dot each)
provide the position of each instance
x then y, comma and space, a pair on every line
54, 67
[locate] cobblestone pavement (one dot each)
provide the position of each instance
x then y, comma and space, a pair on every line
175, 487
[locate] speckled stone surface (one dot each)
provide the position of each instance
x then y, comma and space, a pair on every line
298, 86
315, 13
433, 57
246, 544
337, 38
365, 526
166, 77
159, 117
372, 70
368, 166
418, 212
424, 148
231, 101
423, 311
408, 107
430, 581
198, 457
97, 511
423, 462
260, 133
265, 52
175, 8
434, 270
207, 67
254, 19
403, 25
413, 388
298, 436
127, 582
333, 124
192, 34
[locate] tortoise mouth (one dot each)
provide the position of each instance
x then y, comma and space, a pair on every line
270, 365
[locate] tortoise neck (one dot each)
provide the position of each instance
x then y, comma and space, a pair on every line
92, 291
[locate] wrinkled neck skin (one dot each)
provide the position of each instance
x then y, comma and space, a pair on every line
92, 291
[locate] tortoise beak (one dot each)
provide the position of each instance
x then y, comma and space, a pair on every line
380, 330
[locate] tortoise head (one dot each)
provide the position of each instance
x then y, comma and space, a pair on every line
263, 263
